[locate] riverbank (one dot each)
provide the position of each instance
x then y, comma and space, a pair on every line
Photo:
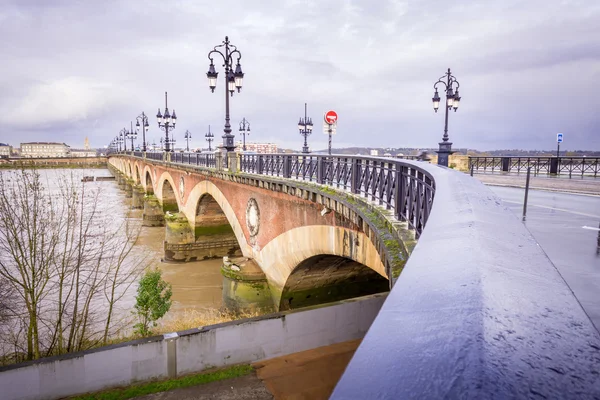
54, 163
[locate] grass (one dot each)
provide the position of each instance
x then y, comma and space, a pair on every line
171, 384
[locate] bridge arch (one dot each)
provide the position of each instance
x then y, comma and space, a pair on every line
147, 182
167, 194
286, 255
200, 193
137, 177
325, 278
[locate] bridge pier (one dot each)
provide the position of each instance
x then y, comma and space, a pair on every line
137, 200
121, 181
153, 212
245, 286
181, 244
129, 188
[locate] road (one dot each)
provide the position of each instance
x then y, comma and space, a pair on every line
565, 226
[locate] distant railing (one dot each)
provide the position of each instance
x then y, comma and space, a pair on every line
579, 166
198, 159
401, 187
155, 156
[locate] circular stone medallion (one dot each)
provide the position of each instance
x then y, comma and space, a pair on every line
252, 217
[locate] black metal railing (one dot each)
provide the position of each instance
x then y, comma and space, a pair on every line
198, 159
403, 188
155, 156
579, 166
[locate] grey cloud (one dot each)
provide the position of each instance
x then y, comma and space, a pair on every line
374, 62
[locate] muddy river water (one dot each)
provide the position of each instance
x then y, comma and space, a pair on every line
196, 285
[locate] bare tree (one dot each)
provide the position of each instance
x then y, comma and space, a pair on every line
64, 260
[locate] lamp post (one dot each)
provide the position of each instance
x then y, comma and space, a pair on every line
131, 135
144, 118
162, 141
122, 137
305, 127
166, 122
187, 136
452, 101
209, 138
233, 80
244, 130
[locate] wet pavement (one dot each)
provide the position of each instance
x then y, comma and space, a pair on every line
587, 185
566, 227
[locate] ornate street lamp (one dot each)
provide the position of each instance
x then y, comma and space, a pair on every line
452, 101
187, 136
144, 118
122, 136
233, 80
305, 127
244, 130
171, 142
209, 138
162, 142
166, 122
131, 135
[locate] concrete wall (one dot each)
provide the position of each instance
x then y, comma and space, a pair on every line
243, 341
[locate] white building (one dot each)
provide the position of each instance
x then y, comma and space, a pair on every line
374, 152
82, 153
257, 147
5, 150
44, 150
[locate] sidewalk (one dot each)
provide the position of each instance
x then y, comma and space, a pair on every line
554, 184
310, 374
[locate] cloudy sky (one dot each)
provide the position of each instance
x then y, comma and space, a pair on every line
84, 68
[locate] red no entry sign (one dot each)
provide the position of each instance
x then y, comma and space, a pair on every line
331, 117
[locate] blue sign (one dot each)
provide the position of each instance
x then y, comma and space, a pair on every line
559, 137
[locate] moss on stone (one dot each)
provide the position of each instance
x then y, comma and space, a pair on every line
170, 207
213, 230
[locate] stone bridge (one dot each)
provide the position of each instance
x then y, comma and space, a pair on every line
302, 244
477, 311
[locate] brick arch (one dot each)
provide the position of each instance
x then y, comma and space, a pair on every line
283, 254
147, 171
166, 176
206, 187
137, 178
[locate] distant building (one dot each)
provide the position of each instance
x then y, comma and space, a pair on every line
5, 150
44, 150
258, 147
374, 152
82, 153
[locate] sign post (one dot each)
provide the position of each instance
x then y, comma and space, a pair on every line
559, 139
330, 118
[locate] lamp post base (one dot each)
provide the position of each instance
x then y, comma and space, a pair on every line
305, 150
444, 153
228, 142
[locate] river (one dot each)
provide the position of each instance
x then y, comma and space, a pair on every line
196, 285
